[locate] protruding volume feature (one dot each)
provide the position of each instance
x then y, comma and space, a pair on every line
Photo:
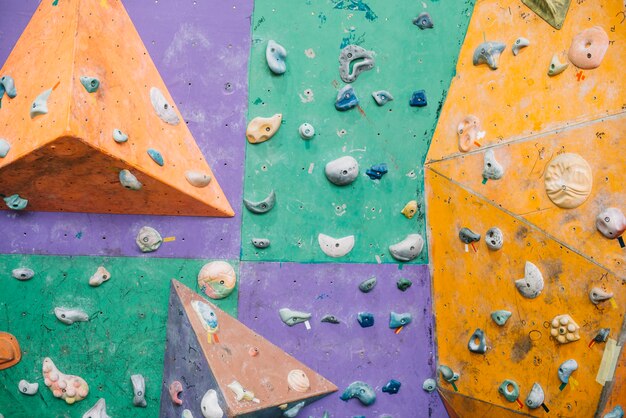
342, 171
531, 285
519, 43
99, 410
275, 55
382, 97
568, 180
69, 316
536, 396
556, 66
491, 167
163, 109
597, 295
477, 342
500, 317
407, 249
261, 206
261, 129
139, 390
40, 105
611, 223
197, 178
424, 21
510, 390
488, 53
564, 329
100, 276
129, 181
148, 239
469, 132
90, 84
353, 60
346, 98
494, 238
68, 387
291, 317
361, 391
15, 202
588, 48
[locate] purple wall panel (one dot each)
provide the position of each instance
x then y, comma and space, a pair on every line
198, 47
346, 352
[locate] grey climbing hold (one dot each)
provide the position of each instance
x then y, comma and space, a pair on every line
23, 273
139, 390
468, 236
535, 397
397, 320
361, 391
15, 202
163, 109
494, 238
488, 53
342, 171
407, 249
197, 178
423, 21
477, 342
365, 319
28, 388
90, 84
119, 136
556, 67
392, 386
5, 147
500, 317
346, 98
331, 319
360, 58
9, 86
403, 284
148, 239
602, 335
261, 242
616, 412
69, 316
511, 394
99, 410
262, 206
519, 44
429, 385
491, 167
294, 410
447, 374
597, 295
40, 105
367, 285
156, 156
306, 131
531, 285
129, 181
291, 317
382, 97
275, 55
566, 369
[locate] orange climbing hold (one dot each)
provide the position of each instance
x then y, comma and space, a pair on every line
10, 353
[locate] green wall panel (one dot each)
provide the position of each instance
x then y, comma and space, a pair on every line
125, 334
407, 59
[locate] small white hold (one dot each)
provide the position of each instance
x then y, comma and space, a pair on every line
210, 405
240, 393
40, 105
531, 285
99, 410
139, 390
597, 295
519, 44
186, 414
23, 273
407, 249
28, 388
100, 276
306, 131
492, 168
494, 238
342, 171
197, 178
69, 316
335, 247
163, 109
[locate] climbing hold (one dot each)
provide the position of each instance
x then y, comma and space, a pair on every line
186, 414
519, 44
197, 178
429, 385
119, 136
100, 276
346, 98
360, 390
469, 132
40, 105
611, 223
467, 236
392, 387
210, 405
531, 285
129, 180
331, 319
90, 84
568, 180
423, 21
447, 374
409, 209
551, 11
291, 317
418, 98
377, 171
297, 380
306, 131
353, 60
10, 353
616, 412
69, 316
597, 295
510, 390
175, 389
163, 109
23, 273
403, 284
275, 55
365, 319
9, 86
535, 397
367, 285
5, 147
253, 351
342, 171
241, 394
602, 335
99, 410
500, 317
262, 206
15, 202
335, 247
397, 320
139, 390
588, 48
492, 168
382, 97
208, 319
564, 329
407, 249
294, 410
488, 53
148, 239
68, 387
556, 66
217, 279
156, 156
261, 242
566, 369
28, 388
494, 238
261, 129
477, 342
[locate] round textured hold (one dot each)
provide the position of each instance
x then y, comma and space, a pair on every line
588, 48
568, 180
306, 130
217, 279
298, 381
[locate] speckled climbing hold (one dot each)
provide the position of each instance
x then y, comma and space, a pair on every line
447, 374
28, 388
163, 109
262, 206
535, 397
90, 84
377, 171
261, 242
616, 412
342, 171
331, 319
491, 167
611, 223
382, 97
298, 381
477, 342
9, 86
353, 60
139, 390
409, 209
494, 238
566, 369
129, 181
217, 279
148, 239
602, 335
500, 317
392, 387
423, 21
429, 385
397, 320
197, 178
23, 273
99, 410
335, 247
261, 129
68, 387
531, 285
407, 249
469, 132
291, 317
365, 319
156, 156
597, 295
40, 105
100, 276
175, 390
119, 136
588, 48
467, 236
488, 53
564, 329
275, 55
556, 66
15, 202
568, 180
294, 410
418, 98
510, 390
5, 147
519, 43
366, 286
209, 405
346, 98
306, 131
69, 316
403, 284
361, 391
241, 394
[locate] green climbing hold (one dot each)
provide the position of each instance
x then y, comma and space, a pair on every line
91, 84
15, 202
500, 317
403, 284
510, 390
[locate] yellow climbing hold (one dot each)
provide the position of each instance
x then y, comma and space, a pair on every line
410, 209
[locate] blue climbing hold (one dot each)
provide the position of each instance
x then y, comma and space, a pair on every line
156, 156
377, 171
360, 390
392, 387
365, 319
418, 98
397, 320
346, 98
15, 202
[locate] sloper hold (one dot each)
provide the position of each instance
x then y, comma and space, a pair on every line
139, 390
363, 61
275, 55
162, 107
397, 320
342, 171
28, 388
366, 286
335, 247
535, 396
407, 249
261, 206
261, 129
566, 369
488, 53
531, 285
210, 405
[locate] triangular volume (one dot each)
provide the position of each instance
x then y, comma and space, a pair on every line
458, 406
252, 377
103, 90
